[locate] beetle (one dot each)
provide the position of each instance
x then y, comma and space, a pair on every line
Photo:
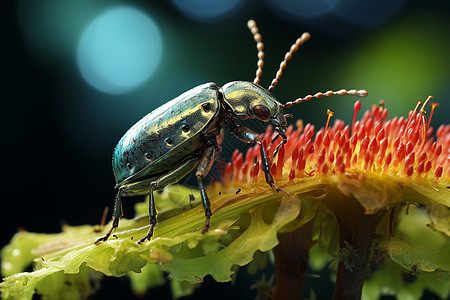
179, 136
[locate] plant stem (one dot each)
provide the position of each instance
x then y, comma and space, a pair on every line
356, 231
291, 262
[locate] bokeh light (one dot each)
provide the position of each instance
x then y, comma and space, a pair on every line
50, 28
207, 10
119, 50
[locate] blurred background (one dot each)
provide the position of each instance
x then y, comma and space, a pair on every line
78, 74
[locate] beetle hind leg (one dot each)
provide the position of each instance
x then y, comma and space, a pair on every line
116, 217
168, 178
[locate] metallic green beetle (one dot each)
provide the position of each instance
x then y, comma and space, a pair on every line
171, 141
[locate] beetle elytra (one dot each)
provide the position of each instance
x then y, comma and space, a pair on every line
180, 136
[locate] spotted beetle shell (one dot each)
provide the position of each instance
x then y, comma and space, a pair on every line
167, 136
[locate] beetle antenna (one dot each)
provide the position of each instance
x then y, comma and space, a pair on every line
260, 46
343, 92
305, 36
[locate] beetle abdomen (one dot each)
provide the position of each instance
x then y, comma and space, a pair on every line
167, 136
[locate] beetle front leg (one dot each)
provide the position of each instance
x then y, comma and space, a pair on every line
204, 165
246, 135
117, 214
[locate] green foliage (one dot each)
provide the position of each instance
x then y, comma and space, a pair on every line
242, 224
244, 229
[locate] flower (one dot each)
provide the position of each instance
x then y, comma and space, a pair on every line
364, 174
350, 190
398, 147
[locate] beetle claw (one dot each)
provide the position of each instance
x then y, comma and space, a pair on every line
102, 239
143, 239
149, 234
277, 189
207, 223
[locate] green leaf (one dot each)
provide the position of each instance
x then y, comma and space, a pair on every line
242, 224
391, 279
150, 276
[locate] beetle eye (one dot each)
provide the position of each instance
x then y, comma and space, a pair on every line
261, 112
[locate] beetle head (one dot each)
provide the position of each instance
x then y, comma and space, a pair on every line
245, 99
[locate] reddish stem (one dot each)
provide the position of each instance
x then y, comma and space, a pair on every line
291, 262
356, 231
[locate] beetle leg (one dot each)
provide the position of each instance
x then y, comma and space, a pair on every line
169, 178
206, 161
116, 216
246, 135
152, 213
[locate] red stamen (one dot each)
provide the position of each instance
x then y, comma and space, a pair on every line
380, 134
367, 160
301, 164
433, 106
399, 154
280, 161
356, 108
321, 157
336, 138
319, 138
422, 109
326, 140
414, 137
234, 155
308, 135
330, 114
369, 126
409, 147
375, 111
354, 141
254, 172
364, 145
273, 170
331, 157
438, 151
346, 131
438, 172
410, 159
249, 155
340, 167
409, 170
384, 114
377, 128
362, 131
396, 143
355, 128
422, 157
291, 175
383, 145
324, 169
244, 172
295, 154
373, 145
420, 167
309, 148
